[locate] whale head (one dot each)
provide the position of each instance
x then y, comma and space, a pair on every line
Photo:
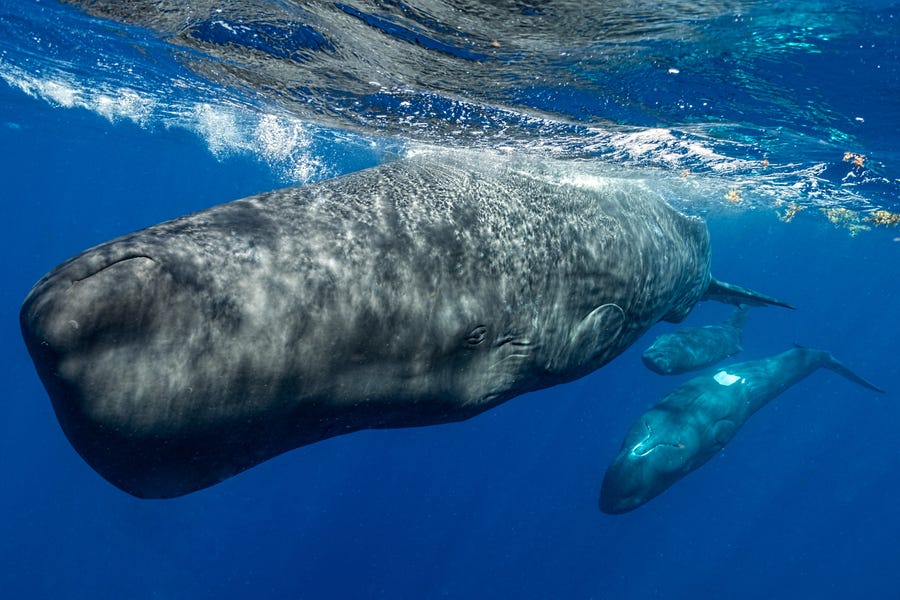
656, 453
659, 359
127, 340
88, 326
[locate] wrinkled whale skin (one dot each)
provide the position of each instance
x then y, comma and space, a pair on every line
417, 292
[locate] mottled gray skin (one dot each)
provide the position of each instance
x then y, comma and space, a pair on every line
693, 348
694, 422
414, 293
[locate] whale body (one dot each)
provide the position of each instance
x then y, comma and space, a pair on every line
694, 348
418, 292
695, 421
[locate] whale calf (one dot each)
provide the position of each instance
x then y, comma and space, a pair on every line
417, 292
694, 422
694, 348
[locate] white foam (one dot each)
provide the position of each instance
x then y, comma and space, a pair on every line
281, 142
662, 146
64, 91
126, 104
219, 127
55, 91
665, 156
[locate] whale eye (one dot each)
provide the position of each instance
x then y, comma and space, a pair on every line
477, 336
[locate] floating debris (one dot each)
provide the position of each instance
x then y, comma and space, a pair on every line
846, 218
733, 196
858, 160
885, 217
791, 211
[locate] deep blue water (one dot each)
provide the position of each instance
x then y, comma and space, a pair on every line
802, 503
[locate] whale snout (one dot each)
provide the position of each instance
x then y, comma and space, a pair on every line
86, 304
87, 324
629, 482
134, 381
620, 492
651, 459
84, 324
658, 362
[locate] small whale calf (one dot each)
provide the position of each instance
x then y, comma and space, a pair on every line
421, 291
694, 348
694, 422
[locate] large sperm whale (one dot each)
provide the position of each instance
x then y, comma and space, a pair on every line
694, 422
693, 348
422, 291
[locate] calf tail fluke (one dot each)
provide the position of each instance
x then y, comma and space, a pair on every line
838, 367
739, 317
735, 294
833, 364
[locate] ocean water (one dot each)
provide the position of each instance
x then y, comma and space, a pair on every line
778, 122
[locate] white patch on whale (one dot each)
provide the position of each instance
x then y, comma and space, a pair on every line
725, 378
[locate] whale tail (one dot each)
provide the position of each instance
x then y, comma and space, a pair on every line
735, 294
838, 367
739, 317
833, 364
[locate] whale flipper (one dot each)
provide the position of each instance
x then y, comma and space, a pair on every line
592, 336
735, 294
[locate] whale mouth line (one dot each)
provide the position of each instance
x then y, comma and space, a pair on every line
640, 450
113, 263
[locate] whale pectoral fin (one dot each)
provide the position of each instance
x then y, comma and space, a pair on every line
592, 336
723, 431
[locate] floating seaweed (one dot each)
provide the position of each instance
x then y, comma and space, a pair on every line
846, 218
885, 217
